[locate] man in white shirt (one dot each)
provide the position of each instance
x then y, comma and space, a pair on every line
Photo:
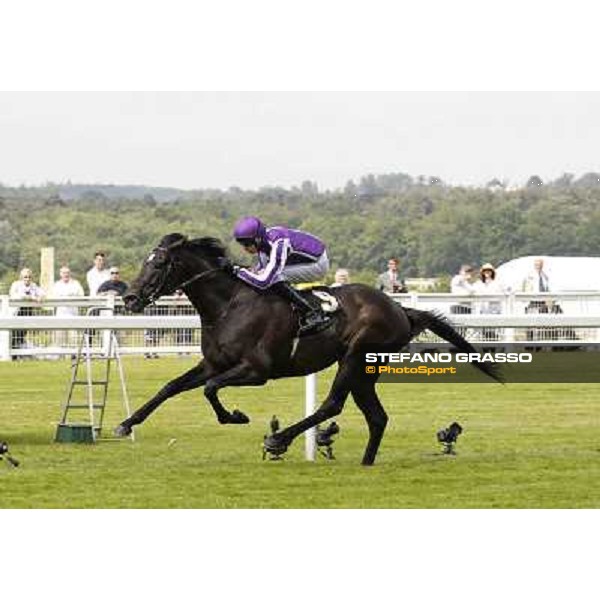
24, 289
537, 282
66, 287
98, 274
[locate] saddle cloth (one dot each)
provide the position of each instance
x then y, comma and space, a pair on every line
321, 297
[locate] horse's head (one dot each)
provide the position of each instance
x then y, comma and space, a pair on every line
173, 264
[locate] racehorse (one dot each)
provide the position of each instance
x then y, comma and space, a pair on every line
249, 337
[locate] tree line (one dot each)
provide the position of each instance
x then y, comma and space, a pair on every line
430, 226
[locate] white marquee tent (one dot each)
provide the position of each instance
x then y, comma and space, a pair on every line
565, 273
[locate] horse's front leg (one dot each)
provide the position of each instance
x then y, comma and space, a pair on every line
190, 380
240, 375
278, 443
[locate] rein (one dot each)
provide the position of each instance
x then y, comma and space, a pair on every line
159, 290
198, 277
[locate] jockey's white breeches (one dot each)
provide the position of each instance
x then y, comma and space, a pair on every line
306, 272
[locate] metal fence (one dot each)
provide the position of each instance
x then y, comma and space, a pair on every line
516, 303
31, 329
171, 326
540, 319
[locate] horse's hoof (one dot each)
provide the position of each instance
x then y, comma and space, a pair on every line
239, 418
122, 430
274, 446
234, 418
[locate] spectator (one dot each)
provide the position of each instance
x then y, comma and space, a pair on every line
488, 285
462, 285
66, 287
24, 289
390, 281
537, 281
113, 286
98, 274
342, 277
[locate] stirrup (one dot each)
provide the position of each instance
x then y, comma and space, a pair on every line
313, 322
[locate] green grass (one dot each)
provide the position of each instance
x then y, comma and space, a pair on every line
533, 446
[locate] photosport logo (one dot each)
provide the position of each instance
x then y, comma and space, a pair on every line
440, 363
420, 370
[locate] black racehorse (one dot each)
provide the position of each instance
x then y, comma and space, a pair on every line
249, 337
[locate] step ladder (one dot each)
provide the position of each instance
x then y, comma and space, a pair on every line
95, 382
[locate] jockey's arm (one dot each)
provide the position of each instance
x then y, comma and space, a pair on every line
268, 275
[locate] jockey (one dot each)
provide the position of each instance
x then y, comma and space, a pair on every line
285, 256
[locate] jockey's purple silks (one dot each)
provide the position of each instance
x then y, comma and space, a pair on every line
278, 247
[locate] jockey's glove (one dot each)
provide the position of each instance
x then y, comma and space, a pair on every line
227, 266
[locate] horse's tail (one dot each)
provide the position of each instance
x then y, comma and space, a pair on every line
422, 319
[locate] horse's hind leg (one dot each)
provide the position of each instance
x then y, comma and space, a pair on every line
367, 401
190, 380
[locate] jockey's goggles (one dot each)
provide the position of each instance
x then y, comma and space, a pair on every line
247, 241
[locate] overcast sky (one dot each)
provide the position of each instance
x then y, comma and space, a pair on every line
250, 139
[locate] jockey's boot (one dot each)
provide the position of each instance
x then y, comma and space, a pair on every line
312, 320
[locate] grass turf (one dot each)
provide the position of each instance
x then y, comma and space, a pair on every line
529, 446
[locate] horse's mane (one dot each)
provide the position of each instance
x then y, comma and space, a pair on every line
208, 246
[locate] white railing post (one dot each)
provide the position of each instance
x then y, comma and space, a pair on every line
310, 405
106, 333
510, 310
4, 335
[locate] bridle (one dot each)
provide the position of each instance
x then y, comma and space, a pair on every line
172, 263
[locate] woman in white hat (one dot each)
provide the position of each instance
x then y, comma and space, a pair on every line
488, 285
